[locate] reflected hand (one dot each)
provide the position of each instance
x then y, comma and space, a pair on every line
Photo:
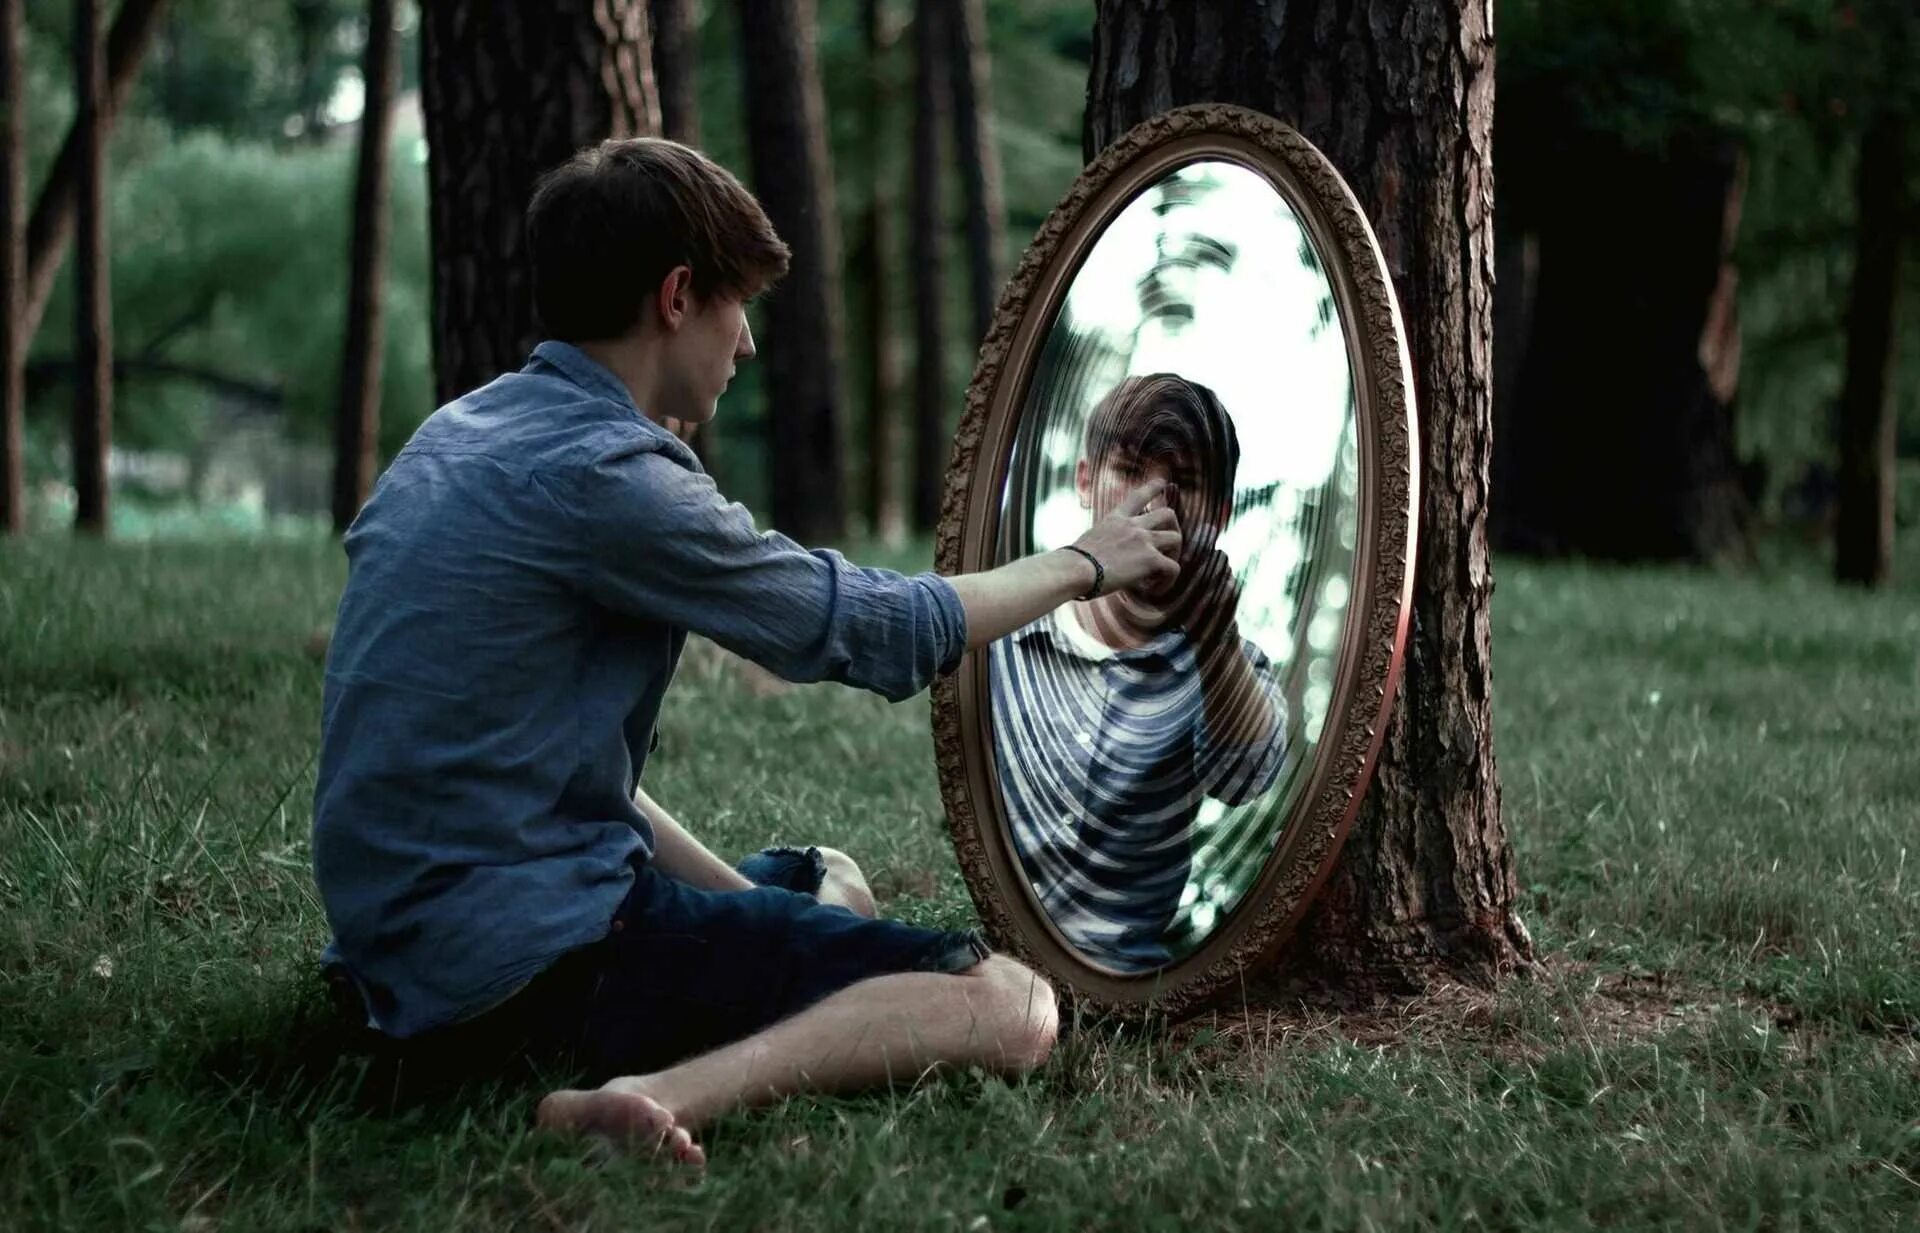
1138, 544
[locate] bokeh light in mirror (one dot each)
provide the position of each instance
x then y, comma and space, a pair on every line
1150, 750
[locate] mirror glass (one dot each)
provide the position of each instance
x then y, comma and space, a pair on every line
1150, 748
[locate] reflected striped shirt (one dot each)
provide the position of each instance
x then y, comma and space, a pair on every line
1104, 757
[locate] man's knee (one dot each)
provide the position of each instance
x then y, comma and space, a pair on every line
1024, 1005
844, 884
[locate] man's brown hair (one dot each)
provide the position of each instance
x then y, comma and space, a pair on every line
605, 226
1160, 414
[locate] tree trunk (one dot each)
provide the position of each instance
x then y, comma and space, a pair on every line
793, 177
978, 155
309, 37
93, 305
1620, 430
51, 227
1402, 104
510, 91
13, 269
1864, 532
1516, 266
675, 57
676, 54
880, 354
929, 287
357, 419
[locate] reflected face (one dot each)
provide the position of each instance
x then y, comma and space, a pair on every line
1150, 750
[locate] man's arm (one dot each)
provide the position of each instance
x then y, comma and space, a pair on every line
657, 540
682, 857
1134, 546
1242, 738
1238, 710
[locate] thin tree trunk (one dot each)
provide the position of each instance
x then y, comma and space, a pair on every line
93, 306
511, 90
929, 289
357, 419
13, 269
793, 177
309, 34
1403, 106
50, 229
978, 155
675, 58
1864, 530
1619, 432
879, 350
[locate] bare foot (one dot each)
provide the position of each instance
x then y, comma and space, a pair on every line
621, 1112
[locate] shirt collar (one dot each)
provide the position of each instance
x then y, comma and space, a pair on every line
1049, 627
598, 380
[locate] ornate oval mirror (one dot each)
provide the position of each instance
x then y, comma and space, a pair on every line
1145, 791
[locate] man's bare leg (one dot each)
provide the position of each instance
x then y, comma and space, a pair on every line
998, 1015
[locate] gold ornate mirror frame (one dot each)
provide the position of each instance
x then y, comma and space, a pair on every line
1372, 640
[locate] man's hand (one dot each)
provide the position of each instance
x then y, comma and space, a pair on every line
1138, 544
1136, 547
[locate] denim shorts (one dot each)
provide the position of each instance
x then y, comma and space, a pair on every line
684, 970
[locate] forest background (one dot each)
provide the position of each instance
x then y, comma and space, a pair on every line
228, 321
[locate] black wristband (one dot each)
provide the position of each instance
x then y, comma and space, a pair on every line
1099, 573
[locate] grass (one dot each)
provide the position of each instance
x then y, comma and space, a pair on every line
1712, 782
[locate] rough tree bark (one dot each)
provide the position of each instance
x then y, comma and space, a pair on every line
1863, 533
50, 229
1401, 100
978, 155
13, 270
880, 353
793, 177
93, 306
357, 418
510, 90
929, 284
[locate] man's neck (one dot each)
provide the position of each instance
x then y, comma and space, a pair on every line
1103, 623
633, 361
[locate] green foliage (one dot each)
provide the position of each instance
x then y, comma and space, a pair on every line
231, 256
1796, 81
1708, 781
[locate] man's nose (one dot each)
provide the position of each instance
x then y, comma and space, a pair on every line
743, 350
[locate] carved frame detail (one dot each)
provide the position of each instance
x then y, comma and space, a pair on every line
1374, 638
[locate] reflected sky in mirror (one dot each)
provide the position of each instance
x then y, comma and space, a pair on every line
1149, 754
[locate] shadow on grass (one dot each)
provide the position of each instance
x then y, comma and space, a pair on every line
314, 1056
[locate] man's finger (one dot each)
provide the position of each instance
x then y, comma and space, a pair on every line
1156, 519
1136, 500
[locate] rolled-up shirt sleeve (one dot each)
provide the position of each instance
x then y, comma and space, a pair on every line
657, 540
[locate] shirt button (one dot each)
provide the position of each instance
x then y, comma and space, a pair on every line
619, 925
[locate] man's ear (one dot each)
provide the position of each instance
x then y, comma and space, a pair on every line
674, 298
1083, 482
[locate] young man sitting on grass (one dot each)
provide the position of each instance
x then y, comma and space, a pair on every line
520, 587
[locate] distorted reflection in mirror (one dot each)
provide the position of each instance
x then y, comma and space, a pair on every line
1149, 747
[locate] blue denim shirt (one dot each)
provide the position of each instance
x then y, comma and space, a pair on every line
519, 589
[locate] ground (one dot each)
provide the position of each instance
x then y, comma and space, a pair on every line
1712, 782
